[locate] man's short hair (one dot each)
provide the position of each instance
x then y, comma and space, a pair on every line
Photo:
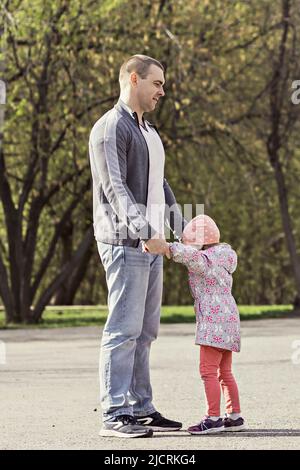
140, 64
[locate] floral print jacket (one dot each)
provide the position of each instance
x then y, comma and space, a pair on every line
210, 280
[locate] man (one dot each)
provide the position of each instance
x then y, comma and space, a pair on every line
129, 194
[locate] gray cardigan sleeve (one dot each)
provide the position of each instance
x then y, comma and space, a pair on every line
108, 155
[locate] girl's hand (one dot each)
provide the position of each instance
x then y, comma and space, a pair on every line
168, 252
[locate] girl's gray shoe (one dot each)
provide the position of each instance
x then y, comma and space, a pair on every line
233, 425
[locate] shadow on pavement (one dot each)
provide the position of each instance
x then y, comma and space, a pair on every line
246, 433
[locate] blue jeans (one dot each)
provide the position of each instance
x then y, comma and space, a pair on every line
134, 280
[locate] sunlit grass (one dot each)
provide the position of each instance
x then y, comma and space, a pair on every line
60, 317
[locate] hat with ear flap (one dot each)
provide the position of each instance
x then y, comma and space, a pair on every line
201, 230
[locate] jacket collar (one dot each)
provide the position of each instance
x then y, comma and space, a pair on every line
128, 113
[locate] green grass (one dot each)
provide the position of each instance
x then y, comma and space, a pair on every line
58, 317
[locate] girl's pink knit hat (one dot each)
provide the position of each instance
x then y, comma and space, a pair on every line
201, 230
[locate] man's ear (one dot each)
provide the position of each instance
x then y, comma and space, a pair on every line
133, 78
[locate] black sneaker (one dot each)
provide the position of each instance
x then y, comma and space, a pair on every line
157, 422
233, 425
124, 426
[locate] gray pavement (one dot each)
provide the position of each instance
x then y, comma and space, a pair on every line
49, 389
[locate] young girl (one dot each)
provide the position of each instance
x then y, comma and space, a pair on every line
210, 266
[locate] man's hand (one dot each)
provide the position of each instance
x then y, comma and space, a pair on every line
156, 246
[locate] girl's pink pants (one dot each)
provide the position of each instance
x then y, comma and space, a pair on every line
215, 371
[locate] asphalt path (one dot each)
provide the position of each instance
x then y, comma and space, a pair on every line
49, 389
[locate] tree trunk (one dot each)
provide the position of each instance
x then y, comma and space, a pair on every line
67, 244
287, 227
275, 140
66, 294
78, 276
44, 299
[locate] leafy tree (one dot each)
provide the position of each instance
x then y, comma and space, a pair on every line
228, 124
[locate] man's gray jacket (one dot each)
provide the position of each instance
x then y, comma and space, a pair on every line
119, 159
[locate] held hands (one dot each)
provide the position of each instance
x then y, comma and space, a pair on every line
157, 246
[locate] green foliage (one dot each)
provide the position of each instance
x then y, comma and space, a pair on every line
215, 122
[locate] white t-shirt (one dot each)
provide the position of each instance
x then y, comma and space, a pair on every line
156, 196
155, 213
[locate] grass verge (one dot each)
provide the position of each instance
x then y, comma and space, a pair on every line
61, 317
